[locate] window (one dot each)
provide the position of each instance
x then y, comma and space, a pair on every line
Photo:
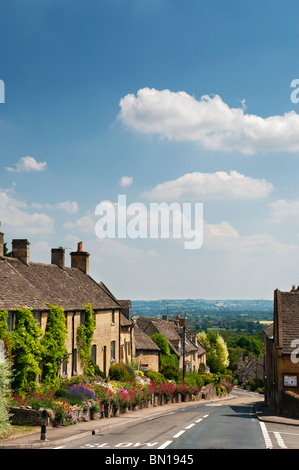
10, 322
94, 353
113, 316
37, 317
74, 360
64, 368
112, 350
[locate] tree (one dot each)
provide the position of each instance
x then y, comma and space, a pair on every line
85, 334
25, 350
53, 346
217, 352
168, 362
5, 375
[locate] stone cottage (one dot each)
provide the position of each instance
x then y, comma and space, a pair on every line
176, 333
281, 341
31, 284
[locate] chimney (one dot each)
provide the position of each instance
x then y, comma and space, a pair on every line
164, 317
80, 259
20, 250
1, 243
58, 257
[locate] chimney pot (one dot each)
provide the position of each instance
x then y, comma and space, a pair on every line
80, 259
58, 257
1, 243
20, 250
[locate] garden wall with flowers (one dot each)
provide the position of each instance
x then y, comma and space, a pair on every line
79, 399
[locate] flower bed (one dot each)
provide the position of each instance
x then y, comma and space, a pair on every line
81, 401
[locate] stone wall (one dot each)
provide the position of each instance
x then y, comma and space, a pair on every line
24, 416
289, 405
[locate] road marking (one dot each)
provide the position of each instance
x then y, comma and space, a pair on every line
214, 404
179, 434
166, 444
59, 447
190, 426
198, 420
205, 416
266, 435
280, 440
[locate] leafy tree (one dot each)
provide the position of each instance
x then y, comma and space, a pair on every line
5, 375
6, 252
26, 351
53, 344
85, 334
168, 362
217, 352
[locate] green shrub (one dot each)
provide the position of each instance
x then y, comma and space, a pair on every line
121, 372
4, 394
155, 376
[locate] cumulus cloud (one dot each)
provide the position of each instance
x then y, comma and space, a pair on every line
126, 181
216, 185
283, 209
224, 237
16, 217
26, 164
209, 122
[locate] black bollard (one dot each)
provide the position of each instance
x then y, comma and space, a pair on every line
44, 425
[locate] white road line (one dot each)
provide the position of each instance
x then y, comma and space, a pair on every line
166, 444
190, 426
266, 435
198, 420
179, 434
59, 447
280, 440
205, 416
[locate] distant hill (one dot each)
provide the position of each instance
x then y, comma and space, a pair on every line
199, 307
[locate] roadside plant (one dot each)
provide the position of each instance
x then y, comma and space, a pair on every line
53, 345
85, 334
5, 375
25, 350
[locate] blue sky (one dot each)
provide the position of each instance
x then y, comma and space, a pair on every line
101, 89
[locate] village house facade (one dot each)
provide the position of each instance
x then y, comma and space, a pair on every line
281, 341
176, 333
30, 284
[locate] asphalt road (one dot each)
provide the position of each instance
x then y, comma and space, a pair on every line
223, 424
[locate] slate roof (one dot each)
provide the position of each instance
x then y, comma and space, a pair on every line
289, 312
171, 332
142, 341
33, 285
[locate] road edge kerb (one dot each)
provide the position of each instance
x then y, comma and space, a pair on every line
98, 427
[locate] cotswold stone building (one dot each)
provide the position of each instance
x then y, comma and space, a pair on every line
26, 283
282, 354
179, 338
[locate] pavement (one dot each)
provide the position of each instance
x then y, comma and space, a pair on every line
61, 435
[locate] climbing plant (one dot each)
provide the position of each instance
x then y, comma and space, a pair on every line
53, 344
85, 334
25, 350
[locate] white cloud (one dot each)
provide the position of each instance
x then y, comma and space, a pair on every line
68, 206
86, 224
283, 209
223, 237
217, 185
209, 121
126, 181
15, 216
26, 164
